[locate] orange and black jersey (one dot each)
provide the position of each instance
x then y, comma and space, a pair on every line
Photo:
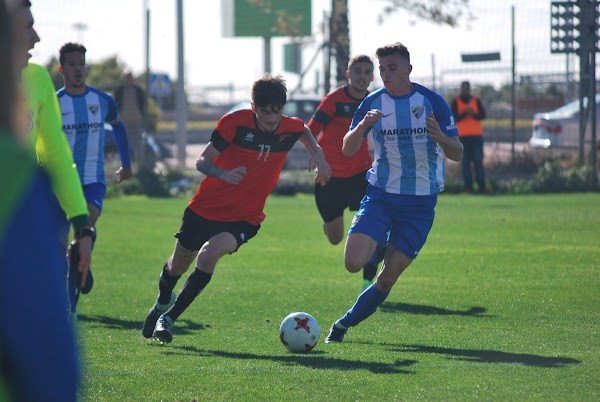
241, 143
333, 117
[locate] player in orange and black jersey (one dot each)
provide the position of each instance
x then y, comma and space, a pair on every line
242, 163
259, 157
348, 182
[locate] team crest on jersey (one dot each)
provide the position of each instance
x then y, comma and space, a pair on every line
249, 137
417, 111
94, 108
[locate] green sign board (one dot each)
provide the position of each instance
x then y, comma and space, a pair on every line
266, 18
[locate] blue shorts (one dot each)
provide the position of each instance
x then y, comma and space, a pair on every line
407, 218
94, 194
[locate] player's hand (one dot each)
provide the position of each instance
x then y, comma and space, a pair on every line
372, 117
123, 174
234, 176
85, 257
433, 127
323, 170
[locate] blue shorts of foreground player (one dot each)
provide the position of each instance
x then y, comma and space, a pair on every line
407, 218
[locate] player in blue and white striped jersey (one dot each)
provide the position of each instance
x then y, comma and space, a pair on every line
408, 161
413, 130
84, 111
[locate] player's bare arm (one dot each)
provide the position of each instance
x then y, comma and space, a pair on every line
205, 164
453, 148
85, 258
353, 138
317, 157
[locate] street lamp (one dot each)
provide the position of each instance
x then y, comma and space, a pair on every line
79, 27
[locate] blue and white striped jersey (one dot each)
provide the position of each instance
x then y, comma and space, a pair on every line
406, 160
83, 119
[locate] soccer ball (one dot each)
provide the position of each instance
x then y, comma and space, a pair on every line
299, 332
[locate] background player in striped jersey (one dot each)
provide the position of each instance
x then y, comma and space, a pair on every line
84, 111
413, 130
242, 163
348, 183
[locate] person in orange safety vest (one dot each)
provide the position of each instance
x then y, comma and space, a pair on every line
468, 113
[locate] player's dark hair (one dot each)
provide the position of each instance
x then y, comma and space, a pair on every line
361, 58
70, 48
394, 48
269, 91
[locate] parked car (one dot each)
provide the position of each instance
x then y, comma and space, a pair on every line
560, 127
302, 106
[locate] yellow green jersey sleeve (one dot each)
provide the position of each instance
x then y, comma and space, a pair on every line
46, 137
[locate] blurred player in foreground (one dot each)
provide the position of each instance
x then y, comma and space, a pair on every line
38, 356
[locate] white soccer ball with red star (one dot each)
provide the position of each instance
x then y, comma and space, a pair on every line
299, 332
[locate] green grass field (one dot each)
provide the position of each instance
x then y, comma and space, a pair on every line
503, 303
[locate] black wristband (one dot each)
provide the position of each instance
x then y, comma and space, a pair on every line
86, 231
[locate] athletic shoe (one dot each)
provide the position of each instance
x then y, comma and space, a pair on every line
154, 314
366, 283
89, 282
335, 335
163, 329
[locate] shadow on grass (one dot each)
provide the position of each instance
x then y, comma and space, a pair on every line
315, 360
183, 326
389, 307
490, 356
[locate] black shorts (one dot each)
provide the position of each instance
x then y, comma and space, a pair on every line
340, 193
196, 230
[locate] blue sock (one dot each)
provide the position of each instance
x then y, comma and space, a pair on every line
365, 305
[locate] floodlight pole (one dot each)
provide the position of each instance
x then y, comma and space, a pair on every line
267, 53
146, 115
180, 99
80, 27
513, 117
592, 106
326, 53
